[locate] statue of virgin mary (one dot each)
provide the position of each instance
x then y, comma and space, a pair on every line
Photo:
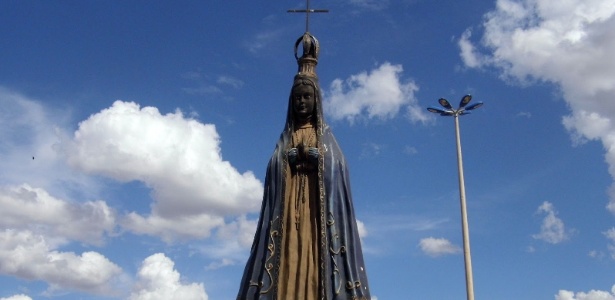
307, 243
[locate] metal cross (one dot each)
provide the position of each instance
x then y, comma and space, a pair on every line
307, 12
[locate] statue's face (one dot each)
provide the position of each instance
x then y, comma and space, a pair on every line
303, 101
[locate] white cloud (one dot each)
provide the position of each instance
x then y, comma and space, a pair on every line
230, 244
410, 150
370, 4
175, 156
202, 90
25, 254
219, 264
524, 114
33, 223
179, 158
174, 228
158, 280
262, 40
376, 94
568, 43
230, 81
596, 254
203, 85
17, 297
242, 230
30, 139
362, 229
552, 229
592, 295
25, 207
369, 150
437, 247
468, 53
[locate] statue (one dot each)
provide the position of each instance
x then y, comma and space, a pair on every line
306, 244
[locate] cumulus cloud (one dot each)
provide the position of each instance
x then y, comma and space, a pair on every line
591, 295
569, 44
435, 247
158, 280
25, 254
241, 230
179, 158
552, 229
168, 229
230, 243
34, 225
36, 219
377, 94
26, 207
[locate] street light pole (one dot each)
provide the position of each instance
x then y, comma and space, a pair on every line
464, 217
455, 113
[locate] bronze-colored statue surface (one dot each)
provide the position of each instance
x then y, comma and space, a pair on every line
306, 244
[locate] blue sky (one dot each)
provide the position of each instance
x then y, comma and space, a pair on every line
135, 135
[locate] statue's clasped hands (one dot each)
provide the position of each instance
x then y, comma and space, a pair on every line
303, 158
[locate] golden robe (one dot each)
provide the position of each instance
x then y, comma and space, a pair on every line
298, 278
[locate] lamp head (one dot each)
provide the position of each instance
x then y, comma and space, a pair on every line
474, 106
465, 100
445, 103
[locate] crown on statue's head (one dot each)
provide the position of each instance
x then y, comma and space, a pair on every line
308, 61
